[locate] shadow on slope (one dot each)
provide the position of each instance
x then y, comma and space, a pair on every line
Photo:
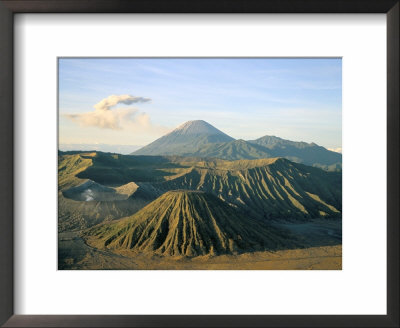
190, 223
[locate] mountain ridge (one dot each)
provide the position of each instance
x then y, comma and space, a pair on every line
200, 139
187, 223
266, 189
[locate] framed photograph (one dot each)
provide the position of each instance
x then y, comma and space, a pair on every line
199, 164
184, 195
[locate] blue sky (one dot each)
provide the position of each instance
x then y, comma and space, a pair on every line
296, 99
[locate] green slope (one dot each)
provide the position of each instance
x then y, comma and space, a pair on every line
69, 166
188, 223
118, 186
268, 188
84, 202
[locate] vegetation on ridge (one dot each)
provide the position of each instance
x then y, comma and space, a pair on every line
188, 223
266, 189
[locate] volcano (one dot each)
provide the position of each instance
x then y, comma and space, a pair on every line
186, 138
188, 223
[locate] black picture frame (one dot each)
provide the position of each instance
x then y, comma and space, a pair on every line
10, 7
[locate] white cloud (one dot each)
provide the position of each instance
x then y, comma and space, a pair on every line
111, 101
106, 117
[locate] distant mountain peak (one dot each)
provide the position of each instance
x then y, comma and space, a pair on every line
201, 139
196, 127
194, 122
186, 138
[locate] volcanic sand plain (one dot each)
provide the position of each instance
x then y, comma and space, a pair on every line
324, 254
